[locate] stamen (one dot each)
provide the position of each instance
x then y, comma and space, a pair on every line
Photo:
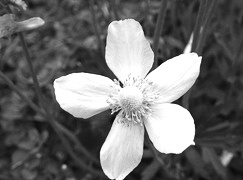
133, 100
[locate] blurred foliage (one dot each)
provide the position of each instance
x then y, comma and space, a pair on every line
72, 40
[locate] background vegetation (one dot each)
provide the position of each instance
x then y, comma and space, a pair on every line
39, 141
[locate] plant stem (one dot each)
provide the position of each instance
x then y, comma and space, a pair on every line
77, 143
32, 72
210, 6
158, 30
75, 158
48, 114
200, 30
196, 33
198, 25
37, 109
55, 125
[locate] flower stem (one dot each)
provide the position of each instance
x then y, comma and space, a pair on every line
32, 72
158, 30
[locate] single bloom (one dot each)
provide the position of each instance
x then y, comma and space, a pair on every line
142, 100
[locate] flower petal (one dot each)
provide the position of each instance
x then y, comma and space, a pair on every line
176, 76
82, 94
127, 50
170, 127
123, 149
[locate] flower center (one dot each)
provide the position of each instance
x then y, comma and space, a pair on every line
131, 98
133, 101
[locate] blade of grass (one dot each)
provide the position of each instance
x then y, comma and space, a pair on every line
199, 22
210, 6
201, 33
158, 30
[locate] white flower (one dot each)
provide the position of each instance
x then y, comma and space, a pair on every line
142, 100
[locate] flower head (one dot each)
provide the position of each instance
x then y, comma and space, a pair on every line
141, 100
